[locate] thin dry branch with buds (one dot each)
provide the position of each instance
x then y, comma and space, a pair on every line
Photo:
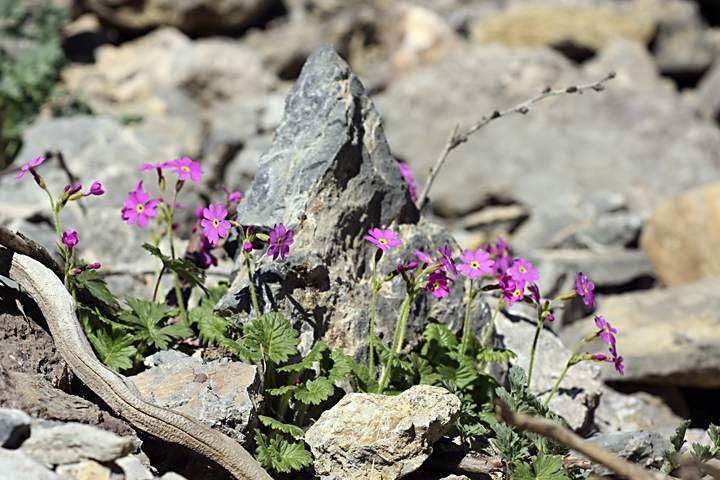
456, 139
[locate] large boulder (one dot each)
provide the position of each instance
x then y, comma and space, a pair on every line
329, 177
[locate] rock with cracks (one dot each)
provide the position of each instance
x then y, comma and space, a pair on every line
329, 177
381, 437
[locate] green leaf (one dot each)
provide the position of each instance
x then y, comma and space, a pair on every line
211, 327
148, 318
92, 282
487, 355
183, 268
315, 355
315, 391
543, 468
281, 454
114, 349
284, 390
441, 334
364, 383
273, 335
293, 430
512, 447
342, 366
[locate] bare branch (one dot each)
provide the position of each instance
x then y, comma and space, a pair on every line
565, 436
523, 108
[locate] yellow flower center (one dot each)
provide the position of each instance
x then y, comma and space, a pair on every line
474, 265
140, 208
428, 260
279, 241
382, 241
517, 293
185, 169
436, 286
585, 288
522, 270
216, 222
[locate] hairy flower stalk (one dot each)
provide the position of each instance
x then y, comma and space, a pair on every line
466, 326
400, 321
376, 289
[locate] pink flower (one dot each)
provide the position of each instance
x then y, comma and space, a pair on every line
447, 260
247, 247
503, 256
279, 241
618, 361
534, 293
522, 271
70, 238
151, 166
383, 239
585, 288
31, 167
95, 265
139, 206
476, 264
437, 284
214, 223
606, 331
205, 259
424, 257
232, 197
407, 175
512, 290
404, 268
184, 167
95, 189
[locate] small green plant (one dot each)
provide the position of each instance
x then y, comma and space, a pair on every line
701, 453
31, 61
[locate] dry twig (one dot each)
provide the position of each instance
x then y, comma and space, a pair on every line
563, 435
523, 108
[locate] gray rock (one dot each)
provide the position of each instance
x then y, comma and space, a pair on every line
133, 468
557, 159
393, 436
222, 394
634, 412
667, 336
579, 393
85, 469
15, 464
329, 177
680, 45
14, 427
73, 442
644, 448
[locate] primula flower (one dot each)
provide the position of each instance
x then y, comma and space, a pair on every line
585, 288
512, 290
139, 206
534, 293
95, 189
437, 284
232, 197
618, 361
383, 239
214, 223
407, 175
404, 268
30, 166
447, 260
247, 247
184, 167
424, 257
205, 259
606, 331
476, 264
279, 241
503, 256
523, 271
70, 238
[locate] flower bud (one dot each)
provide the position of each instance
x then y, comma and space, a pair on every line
248, 247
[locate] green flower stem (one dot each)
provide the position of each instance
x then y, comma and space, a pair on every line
300, 415
252, 285
388, 367
569, 364
466, 327
178, 290
532, 353
376, 289
492, 323
285, 399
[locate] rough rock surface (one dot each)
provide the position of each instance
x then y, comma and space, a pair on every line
667, 336
15, 462
383, 437
644, 448
196, 17
329, 177
579, 393
221, 393
682, 236
71, 442
14, 427
566, 156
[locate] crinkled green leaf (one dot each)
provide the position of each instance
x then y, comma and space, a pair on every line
212, 328
114, 349
487, 355
364, 383
92, 282
183, 268
543, 468
342, 366
314, 392
293, 430
281, 454
441, 334
149, 319
272, 335
315, 355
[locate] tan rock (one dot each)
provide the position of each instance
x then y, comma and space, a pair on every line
381, 437
682, 236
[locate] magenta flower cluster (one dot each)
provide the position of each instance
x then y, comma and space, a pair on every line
607, 333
